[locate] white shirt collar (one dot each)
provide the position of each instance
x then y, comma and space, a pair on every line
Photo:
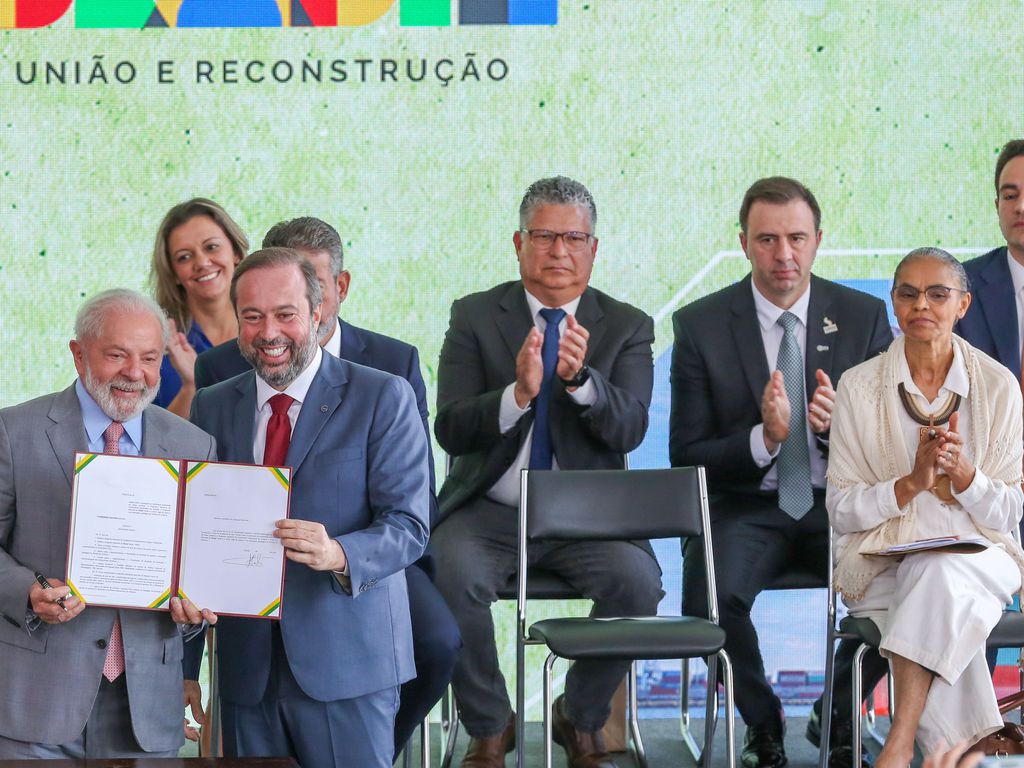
297, 390
957, 381
1016, 272
536, 305
768, 314
333, 344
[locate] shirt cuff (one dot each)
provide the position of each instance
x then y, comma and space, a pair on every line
887, 505
974, 493
758, 451
509, 412
343, 576
585, 394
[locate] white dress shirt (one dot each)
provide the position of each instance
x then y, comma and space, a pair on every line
297, 390
771, 336
333, 344
506, 490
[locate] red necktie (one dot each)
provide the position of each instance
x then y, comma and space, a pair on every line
113, 665
279, 431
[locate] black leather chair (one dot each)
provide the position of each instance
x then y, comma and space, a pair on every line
623, 505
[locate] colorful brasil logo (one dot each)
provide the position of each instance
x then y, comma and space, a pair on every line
136, 14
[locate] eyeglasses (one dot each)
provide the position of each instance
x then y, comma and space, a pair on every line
935, 294
544, 239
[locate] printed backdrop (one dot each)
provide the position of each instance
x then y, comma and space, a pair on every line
414, 127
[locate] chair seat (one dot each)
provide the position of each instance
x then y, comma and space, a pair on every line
1009, 632
862, 629
652, 637
540, 585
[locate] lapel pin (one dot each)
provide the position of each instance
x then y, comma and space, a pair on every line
822, 348
323, 409
829, 327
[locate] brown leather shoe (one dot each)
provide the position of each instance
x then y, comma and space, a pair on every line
585, 749
490, 752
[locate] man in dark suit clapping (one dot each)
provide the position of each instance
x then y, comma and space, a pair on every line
544, 372
753, 370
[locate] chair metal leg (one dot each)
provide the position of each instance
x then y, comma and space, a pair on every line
406, 757
425, 742
711, 712
855, 689
520, 714
730, 715
826, 701
637, 742
449, 727
548, 702
684, 709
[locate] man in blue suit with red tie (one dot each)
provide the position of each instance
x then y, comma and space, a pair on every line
436, 639
322, 684
994, 323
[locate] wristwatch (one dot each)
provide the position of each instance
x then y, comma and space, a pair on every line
582, 377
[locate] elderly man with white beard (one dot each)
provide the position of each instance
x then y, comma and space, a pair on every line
77, 682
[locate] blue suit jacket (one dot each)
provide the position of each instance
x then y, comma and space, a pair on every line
991, 321
359, 461
357, 346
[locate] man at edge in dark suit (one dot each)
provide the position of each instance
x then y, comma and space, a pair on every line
545, 373
762, 434
436, 640
994, 322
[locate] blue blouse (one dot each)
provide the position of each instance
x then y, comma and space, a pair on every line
170, 381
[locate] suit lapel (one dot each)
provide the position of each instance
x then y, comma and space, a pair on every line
746, 334
353, 346
591, 316
322, 400
995, 299
820, 346
243, 419
514, 321
67, 432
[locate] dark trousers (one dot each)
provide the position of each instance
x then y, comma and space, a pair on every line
754, 543
475, 552
435, 644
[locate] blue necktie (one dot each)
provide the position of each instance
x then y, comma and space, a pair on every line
540, 449
796, 497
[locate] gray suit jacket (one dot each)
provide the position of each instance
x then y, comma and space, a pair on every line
478, 361
49, 676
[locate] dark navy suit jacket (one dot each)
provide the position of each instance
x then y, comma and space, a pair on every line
991, 321
357, 346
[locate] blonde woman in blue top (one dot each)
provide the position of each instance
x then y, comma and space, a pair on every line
195, 254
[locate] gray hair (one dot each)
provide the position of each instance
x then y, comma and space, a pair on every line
310, 234
279, 257
90, 317
557, 190
937, 254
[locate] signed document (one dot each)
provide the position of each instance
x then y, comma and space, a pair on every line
144, 529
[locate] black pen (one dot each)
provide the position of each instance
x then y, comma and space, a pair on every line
47, 585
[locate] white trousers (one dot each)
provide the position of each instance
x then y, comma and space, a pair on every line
937, 609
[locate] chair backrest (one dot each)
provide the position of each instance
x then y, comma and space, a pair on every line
615, 504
